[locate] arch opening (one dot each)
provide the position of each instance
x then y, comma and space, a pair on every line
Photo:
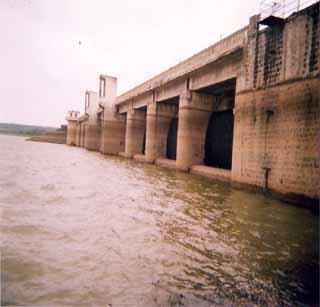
144, 140
99, 130
219, 140
171, 152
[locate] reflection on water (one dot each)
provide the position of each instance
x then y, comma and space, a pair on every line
79, 228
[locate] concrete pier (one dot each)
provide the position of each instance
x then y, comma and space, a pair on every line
113, 135
159, 117
135, 133
91, 135
113, 124
194, 113
72, 118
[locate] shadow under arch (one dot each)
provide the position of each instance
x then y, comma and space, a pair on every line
144, 140
219, 139
171, 152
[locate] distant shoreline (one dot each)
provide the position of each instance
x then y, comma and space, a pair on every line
24, 130
17, 134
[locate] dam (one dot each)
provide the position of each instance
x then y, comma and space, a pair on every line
243, 111
149, 204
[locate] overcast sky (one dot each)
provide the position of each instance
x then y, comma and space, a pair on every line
45, 71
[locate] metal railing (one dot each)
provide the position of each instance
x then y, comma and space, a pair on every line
282, 8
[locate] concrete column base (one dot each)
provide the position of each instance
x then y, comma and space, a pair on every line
211, 172
140, 158
124, 155
82, 134
78, 135
194, 114
72, 133
135, 130
170, 164
92, 141
113, 136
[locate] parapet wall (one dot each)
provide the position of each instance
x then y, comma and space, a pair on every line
229, 44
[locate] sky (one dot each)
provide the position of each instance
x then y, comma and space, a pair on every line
45, 70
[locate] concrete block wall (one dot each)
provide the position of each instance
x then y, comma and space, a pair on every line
278, 128
287, 51
277, 124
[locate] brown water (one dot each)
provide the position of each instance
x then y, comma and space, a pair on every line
83, 229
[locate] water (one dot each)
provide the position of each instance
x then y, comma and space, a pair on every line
83, 229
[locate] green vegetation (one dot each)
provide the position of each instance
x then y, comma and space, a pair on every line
24, 130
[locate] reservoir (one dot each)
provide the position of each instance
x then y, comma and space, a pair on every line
83, 229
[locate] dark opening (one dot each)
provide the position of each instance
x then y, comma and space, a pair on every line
144, 141
83, 136
99, 123
172, 139
219, 138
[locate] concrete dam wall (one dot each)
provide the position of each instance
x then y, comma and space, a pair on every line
244, 110
56, 137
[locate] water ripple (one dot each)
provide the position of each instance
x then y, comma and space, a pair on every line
82, 229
